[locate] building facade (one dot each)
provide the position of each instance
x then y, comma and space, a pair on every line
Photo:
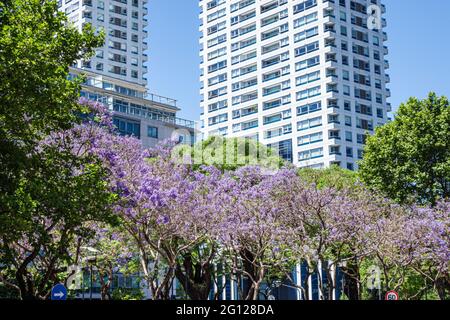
123, 55
149, 117
116, 75
305, 77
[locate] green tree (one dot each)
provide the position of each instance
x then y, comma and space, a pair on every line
47, 191
37, 46
332, 177
408, 159
56, 199
228, 154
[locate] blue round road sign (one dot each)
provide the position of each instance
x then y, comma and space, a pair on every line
59, 292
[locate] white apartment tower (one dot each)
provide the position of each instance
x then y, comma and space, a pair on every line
124, 21
306, 77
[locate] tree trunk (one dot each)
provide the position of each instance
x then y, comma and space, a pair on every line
351, 278
196, 278
249, 268
331, 275
442, 287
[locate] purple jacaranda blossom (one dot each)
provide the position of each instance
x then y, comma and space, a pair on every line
163, 220
167, 210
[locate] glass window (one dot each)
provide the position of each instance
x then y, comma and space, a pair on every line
152, 132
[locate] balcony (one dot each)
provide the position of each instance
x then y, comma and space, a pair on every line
331, 72
332, 88
151, 115
330, 43
330, 57
160, 99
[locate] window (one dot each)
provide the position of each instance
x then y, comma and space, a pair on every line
348, 136
307, 78
380, 113
310, 154
348, 121
217, 66
376, 40
345, 60
304, 6
306, 20
308, 93
307, 49
284, 149
347, 106
152, 132
345, 75
306, 34
218, 105
308, 63
349, 152
346, 90
310, 108
360, 153
126, 127
218, 119
310, 138
309, 123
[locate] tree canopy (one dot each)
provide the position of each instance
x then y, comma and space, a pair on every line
241, 213
49, 187
37, 46
409, 158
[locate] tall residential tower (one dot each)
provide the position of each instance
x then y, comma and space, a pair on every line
305, 77
123, 21
116, 75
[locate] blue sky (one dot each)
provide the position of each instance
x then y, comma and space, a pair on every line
418, 41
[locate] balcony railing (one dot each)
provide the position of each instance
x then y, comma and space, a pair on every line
160, 99
158, 117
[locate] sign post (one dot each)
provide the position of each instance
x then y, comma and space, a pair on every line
59, 292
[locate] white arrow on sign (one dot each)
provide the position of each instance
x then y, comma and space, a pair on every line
59, 294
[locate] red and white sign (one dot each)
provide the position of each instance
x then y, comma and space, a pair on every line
392, 295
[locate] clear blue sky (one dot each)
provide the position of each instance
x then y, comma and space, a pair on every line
418, 41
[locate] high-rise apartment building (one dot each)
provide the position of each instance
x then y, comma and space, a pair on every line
123, 21
116, 75
305, 77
